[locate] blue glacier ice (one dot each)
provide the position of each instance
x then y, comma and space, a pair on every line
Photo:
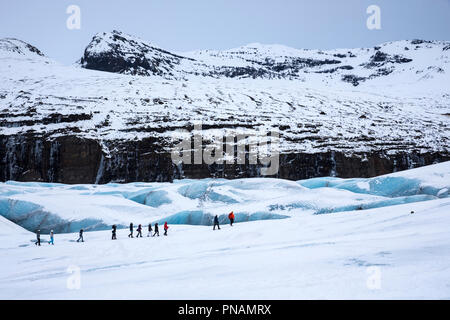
32, 217
385, 186
194, 190
157, 198
195, 202
377, 204
198, 217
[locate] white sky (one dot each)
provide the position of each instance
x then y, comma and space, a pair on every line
184, 25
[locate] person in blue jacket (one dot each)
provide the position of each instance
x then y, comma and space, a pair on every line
52, 240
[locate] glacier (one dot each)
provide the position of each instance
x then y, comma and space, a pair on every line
68, 208
315, 239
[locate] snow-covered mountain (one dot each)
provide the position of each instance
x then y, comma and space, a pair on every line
121, 53
349, 112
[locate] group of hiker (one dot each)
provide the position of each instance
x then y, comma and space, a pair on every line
155, 229
139, 230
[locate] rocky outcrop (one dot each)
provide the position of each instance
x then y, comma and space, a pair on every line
118, 53
70, 159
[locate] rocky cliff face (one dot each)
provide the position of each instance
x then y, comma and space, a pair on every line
348, 113
70, 159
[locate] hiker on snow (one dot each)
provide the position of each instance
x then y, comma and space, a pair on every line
114, 228
166, 227
131, 230
149, 230
139, 231
216, 222
81, 236
156, 230
38, 238
231, 217
51, 238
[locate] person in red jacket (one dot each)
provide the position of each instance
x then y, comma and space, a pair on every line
231, 217
165, 228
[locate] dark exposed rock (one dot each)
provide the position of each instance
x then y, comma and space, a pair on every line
381, 58
51, 118
69, 159
34, 49
353, 79
419, 41
335, 69
299, 63
125, 55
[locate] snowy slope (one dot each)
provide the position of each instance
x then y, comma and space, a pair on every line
381, 252
9, 232
405, 110
306, 257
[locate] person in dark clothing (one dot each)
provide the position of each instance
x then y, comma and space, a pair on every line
38, 238
139, 231
81, 236
166, 227
216, 223
149, 230
156, 230
131, 230
114, 228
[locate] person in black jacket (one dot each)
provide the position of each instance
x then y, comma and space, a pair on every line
216, 223
149, 230
114, 228
81, 236
139, 231
131, 230
38, 238
156, 230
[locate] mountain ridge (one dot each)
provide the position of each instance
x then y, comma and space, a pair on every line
121, 53
72, 124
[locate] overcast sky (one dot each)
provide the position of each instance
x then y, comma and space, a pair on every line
184, 25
